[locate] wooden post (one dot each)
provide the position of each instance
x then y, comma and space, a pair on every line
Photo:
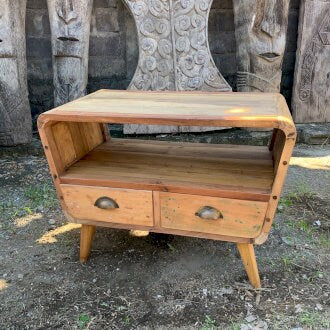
260, 29
15, 116
86, 237
249, 260
311, 90
70, 29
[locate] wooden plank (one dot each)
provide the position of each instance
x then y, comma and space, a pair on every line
238, 218
164, 231
159, 167
177, 108
135, 206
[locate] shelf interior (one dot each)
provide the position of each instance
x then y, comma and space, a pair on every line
235, 171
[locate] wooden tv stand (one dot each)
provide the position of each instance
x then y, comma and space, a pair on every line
222, 192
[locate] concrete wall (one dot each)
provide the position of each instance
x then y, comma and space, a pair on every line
114, 51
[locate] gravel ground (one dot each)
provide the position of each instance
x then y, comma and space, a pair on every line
161, 281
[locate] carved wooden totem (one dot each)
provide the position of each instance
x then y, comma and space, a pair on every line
15, 116
70, 28
311, 93
174, 52
260, 29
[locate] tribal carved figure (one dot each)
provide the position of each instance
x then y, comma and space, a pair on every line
70, 28
15, 116
260, 29
174, 52
311, 92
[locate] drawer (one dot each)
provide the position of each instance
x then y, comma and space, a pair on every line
212, 215
132, 207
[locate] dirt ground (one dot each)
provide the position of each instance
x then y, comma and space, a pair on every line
161, 282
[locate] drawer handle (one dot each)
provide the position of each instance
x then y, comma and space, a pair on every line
209, 213
106, 203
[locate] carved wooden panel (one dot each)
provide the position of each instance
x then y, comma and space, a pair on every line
260, 30
311, 94
70, 28
15, 116
174, 52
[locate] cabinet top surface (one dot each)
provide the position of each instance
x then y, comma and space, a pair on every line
177, 108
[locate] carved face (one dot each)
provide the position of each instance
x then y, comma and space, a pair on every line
261, 33
70, 33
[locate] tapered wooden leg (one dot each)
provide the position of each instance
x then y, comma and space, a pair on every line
86, 237
249, 260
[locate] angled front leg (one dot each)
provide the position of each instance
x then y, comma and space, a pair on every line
249, 260
86, 237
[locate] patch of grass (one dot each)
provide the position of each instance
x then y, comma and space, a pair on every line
209, 323
41, 195
287, 262
83, 320
324, 240
126, 320
314, 320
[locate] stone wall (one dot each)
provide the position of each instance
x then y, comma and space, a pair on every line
114, 51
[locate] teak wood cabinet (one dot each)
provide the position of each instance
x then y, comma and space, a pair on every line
222, 192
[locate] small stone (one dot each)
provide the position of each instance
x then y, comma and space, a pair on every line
94, 280
250, 318
320, 275
159, 296
319, 307
299, 308
51, 221
20, 276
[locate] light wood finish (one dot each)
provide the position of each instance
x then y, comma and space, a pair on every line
222, 170
159, 186
135, 206
249, 260
262, 110
239, 218
86, 238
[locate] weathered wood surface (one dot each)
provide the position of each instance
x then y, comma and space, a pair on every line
214, 170
239, 218
311, 92
70, 29
260, 30
15, 116
174, 52
262, 110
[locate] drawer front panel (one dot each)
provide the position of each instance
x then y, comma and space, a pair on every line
212, 215
132, 207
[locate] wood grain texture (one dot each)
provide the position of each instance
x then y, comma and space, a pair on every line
241, 171
263, 110
70, 29
86, 238
311, 90
260, 30
238, 218
135, 206
249, 260
15, 115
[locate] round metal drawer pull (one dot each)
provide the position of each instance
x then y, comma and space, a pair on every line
106, 203
209, 213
